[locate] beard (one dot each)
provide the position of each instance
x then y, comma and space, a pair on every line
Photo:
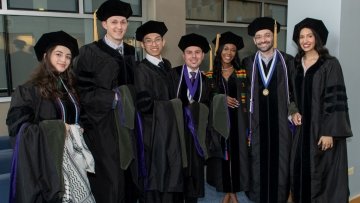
269, 45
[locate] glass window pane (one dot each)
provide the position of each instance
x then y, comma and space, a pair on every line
249, 47
210, 10
243, 11
3, 81
210, 33
44, 5
281, 1
278, 12
91, 5
29, 29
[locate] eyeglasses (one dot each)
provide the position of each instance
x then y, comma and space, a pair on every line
150, 41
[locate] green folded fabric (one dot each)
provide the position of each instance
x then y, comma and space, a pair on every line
220, 115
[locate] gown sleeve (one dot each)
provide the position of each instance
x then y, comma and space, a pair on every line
22, 109
335, 115
95, 81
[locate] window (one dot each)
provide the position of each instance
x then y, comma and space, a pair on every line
42, 5
91, 5
242, 11
210, 17
19, 31
278, 12
210, 10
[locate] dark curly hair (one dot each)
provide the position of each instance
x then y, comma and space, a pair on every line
47, 79
319, 48
218, 65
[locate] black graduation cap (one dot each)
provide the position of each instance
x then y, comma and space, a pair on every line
194, 40
113, 8
51, 39
150, 27
230, 38
262, 23
317, 25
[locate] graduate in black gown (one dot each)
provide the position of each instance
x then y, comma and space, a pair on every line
319, 155
162, 173
51, 159
270, 137
104, 72
228, 165
192, 88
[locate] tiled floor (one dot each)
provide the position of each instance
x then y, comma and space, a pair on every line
212, 196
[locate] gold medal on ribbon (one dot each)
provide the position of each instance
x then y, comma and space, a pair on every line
265, 92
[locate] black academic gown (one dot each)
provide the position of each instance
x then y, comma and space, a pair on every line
271, 138
194, 172
99, 70
320, 176
38, 153
228, 164
163, 178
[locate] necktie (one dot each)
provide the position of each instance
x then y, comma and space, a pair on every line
162, 65
192, 79
120, 50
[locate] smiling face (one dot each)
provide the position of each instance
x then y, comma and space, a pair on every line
153, 44
193, 56
228, 53
60, 58
116, 27
264, 40
307, 40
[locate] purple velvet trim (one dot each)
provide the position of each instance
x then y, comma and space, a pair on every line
14, 164
140, 143
292, 128
120, 108
191, 127
191, 87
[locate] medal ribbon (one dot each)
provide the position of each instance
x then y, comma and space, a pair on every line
253, 84
266, 78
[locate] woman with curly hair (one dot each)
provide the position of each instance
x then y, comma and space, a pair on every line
51, 160
319, 154
227, 166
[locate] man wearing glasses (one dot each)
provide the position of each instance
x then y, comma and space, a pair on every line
160, 156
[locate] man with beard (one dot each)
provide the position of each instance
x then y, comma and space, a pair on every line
269, 136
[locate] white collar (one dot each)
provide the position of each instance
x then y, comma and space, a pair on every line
191, 70
153, 59
113, 45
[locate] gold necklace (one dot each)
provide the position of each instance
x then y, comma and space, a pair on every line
226, 69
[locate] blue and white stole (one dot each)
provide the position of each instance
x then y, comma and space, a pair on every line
266, 81
62, 108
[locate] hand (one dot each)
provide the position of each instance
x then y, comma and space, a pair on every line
67, 127
232, 102
326, 142
296, 118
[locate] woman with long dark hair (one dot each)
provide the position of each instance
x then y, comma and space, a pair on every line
51, 159
227, 166
319, 154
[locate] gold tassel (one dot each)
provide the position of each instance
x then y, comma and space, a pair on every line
217, 43
275, 35
211, 59
95, 32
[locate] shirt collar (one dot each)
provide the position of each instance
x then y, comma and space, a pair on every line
113, 45
191, 70
153, 59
